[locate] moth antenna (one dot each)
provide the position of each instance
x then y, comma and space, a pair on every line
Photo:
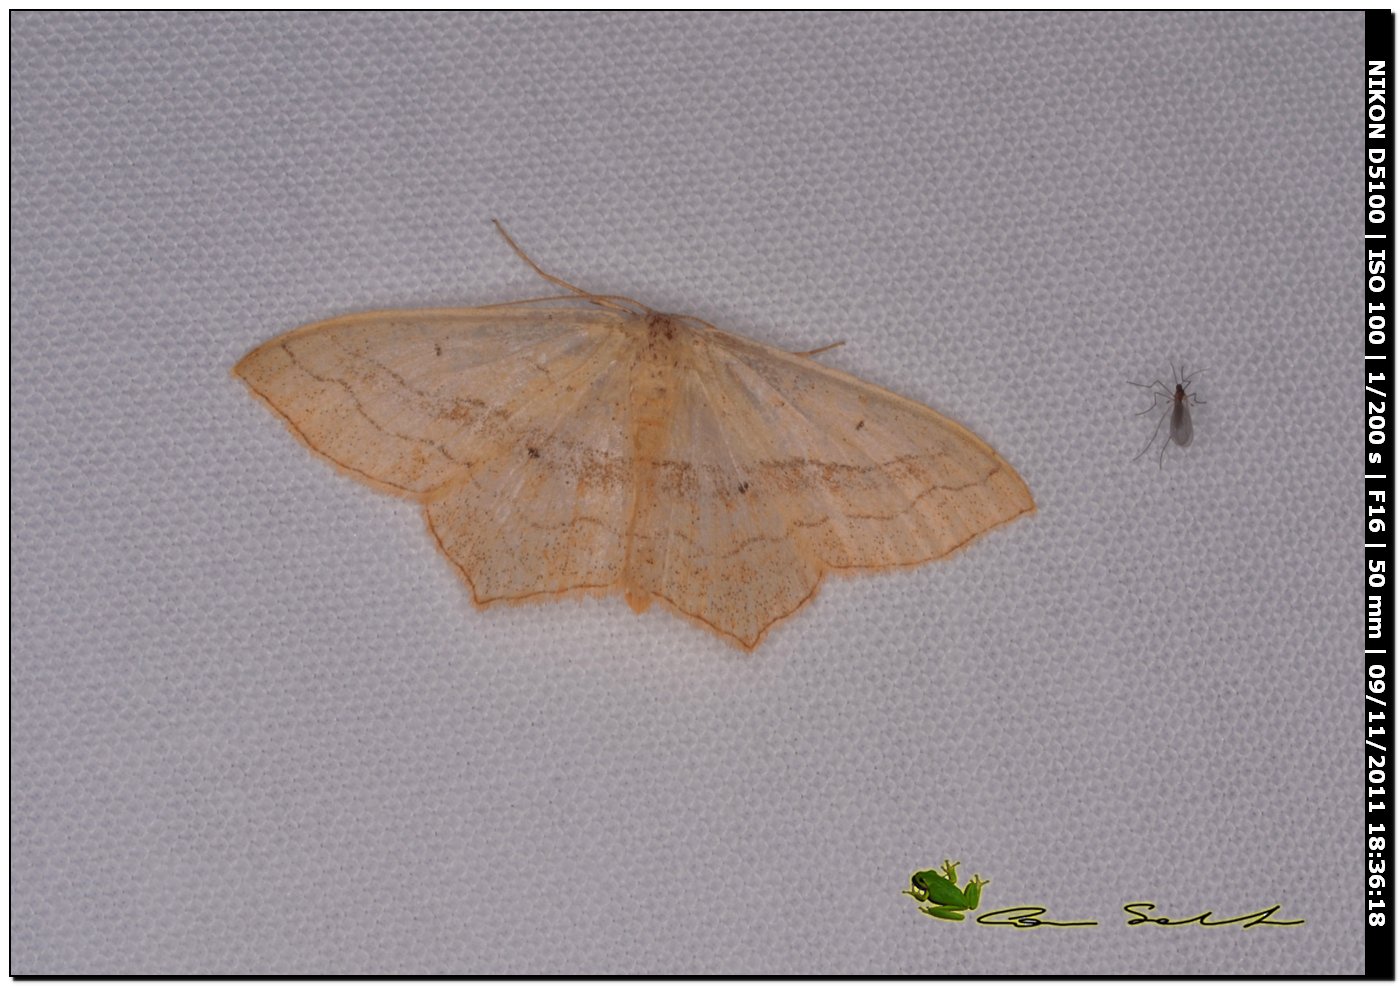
536, 267
820, 349
603, 300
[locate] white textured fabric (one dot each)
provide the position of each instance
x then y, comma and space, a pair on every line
258, 726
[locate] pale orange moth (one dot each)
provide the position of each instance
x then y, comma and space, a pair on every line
586, 443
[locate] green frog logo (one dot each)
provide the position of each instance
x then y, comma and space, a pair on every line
938, 889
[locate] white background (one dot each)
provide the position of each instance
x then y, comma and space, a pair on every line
258, 725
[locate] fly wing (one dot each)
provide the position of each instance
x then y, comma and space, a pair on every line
1181, 422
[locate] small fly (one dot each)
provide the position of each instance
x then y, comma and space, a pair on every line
1179, 403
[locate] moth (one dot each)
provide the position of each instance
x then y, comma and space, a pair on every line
585, 443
